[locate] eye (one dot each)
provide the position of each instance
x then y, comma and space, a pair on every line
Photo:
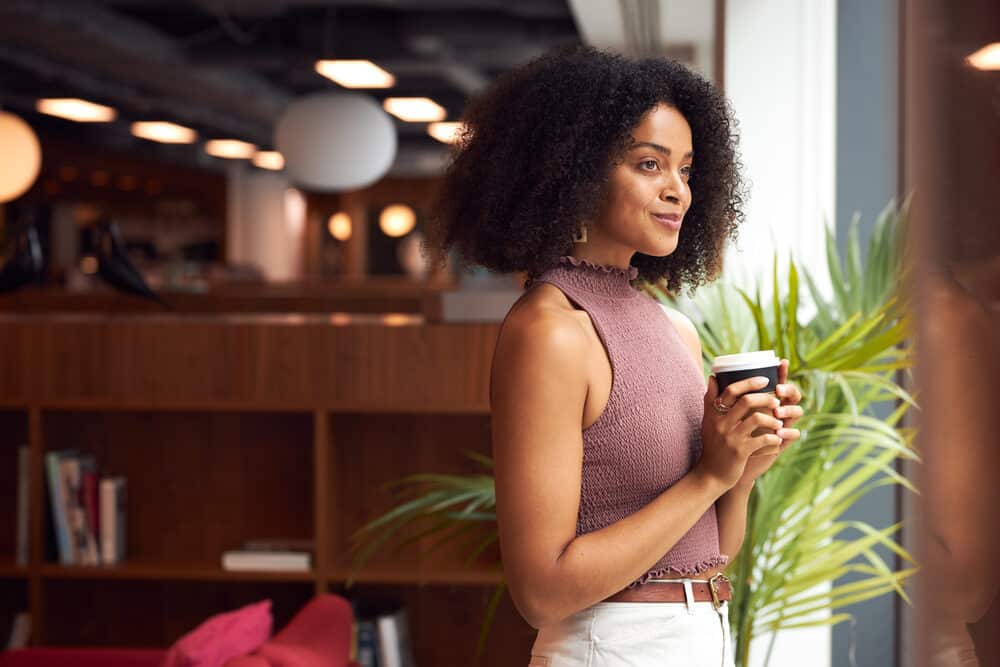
686, 171
644, 165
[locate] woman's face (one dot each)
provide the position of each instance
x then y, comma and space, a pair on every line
647, 193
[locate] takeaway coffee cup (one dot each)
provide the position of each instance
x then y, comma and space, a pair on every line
730, 368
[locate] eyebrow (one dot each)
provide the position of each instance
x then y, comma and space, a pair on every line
656, 147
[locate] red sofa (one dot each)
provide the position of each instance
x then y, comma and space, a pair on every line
318, 636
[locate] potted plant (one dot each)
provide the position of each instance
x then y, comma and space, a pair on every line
846, 357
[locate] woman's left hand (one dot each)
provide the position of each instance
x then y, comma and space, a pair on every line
788, 412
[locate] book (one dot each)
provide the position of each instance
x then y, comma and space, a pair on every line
365, 654
20, 631
84, 542
22, 502
57, 502
393, 643
279, 544
90, 500
113, 497
272, 561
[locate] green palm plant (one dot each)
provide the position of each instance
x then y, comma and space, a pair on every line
846, 358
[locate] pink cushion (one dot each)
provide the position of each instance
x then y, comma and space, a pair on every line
222, 637
318, 636
248, 661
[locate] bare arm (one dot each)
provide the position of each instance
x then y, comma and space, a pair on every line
538, 394
731, 508
731, 512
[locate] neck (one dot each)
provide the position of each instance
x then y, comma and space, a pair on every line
618, 257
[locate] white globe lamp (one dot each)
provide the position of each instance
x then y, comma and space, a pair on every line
336, 141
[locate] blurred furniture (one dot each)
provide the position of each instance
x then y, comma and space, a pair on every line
82, 657
230, 428
386, 295
319, 635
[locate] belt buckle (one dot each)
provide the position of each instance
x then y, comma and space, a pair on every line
716, 602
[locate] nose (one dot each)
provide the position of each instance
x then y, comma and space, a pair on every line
672, 187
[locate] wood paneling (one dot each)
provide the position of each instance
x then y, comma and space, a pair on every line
248, 362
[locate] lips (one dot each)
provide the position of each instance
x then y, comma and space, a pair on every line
671, 220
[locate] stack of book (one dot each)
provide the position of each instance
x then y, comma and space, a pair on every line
270, 555
88, 510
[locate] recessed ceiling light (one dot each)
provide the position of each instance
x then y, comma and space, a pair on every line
986, 58
269, 160
415, 109
72, 108
355, 73
164, 132
233, 149
445, 132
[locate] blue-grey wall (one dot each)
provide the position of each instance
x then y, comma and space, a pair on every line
867, 177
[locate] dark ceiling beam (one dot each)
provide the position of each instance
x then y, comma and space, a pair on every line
135, 66
129, 100
533, 9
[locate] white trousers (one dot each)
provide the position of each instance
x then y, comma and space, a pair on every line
638, 634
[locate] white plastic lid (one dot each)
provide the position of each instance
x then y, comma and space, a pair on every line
744, 361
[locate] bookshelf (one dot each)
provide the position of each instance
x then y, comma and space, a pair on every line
231, 428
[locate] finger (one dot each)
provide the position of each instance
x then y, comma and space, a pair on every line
788, 414
790, 411
764, 444
768, 450
789, 434
747, 405
783, 371
788, 393
758, 420
732, 393
713, 389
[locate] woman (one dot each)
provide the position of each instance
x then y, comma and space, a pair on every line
621, 483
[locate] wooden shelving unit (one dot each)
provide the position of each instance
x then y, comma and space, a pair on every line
234, 428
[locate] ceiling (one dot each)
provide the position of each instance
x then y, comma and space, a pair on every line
228, 68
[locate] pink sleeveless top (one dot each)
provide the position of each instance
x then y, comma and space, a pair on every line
649, 435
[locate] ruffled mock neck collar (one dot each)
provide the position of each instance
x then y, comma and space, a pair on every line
611, 281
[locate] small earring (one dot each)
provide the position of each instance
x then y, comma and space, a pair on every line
581, 235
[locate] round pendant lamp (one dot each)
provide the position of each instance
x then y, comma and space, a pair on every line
336, 141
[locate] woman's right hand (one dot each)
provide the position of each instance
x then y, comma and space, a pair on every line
726, 438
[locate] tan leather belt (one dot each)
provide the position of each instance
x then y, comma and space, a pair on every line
716, 590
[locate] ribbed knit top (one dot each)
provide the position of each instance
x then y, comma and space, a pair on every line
649, 435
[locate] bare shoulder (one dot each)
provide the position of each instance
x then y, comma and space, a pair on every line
542, 330
685, 327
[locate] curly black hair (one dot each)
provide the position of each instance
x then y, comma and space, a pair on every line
537, 149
